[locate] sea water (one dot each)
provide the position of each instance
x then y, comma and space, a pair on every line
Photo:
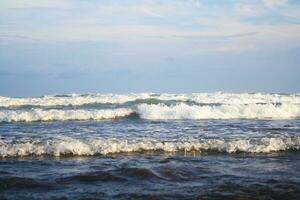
150, 146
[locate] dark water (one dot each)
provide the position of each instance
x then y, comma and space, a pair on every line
153, 176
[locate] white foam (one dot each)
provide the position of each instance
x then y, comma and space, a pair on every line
77, 147
74, 100
234, 111
61, 115
222, 98
77, 100
158, 112
245, 98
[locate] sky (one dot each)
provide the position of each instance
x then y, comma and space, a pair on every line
124, 46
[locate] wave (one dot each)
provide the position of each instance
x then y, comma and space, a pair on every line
245, 98
252, 111
62, 115
78, 147
201, 98
158, 112
79, 100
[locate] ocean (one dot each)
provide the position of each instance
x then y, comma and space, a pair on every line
150, 146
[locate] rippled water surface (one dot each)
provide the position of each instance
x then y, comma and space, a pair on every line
153, 176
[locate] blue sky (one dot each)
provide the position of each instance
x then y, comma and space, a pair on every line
121, 46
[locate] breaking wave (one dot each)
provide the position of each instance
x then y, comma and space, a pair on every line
205, 98
158, 112
78, 147
62, 115
251, 111
150, 106
79, 100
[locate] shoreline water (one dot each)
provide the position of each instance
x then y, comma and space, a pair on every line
154, 176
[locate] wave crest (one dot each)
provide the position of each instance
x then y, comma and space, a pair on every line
251, 111
62, 115
201, 98
77, 147
158, 112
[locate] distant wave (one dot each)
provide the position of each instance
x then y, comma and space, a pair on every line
79, 147
150, 106
78, 100
202, 98
62, 115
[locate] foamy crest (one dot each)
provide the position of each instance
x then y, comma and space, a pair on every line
76, 147
207, 98
236, 111
61, 115
77, 100
158, 112
244, 98
74, 100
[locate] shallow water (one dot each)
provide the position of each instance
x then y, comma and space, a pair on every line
150, 146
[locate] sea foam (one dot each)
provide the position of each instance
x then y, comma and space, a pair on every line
62, 115
206, 98
234, 111
158, 112
78, 100
151, 106
80, 147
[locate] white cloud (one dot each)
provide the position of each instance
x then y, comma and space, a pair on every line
245, 9
146, 24
274, 3
33, 4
